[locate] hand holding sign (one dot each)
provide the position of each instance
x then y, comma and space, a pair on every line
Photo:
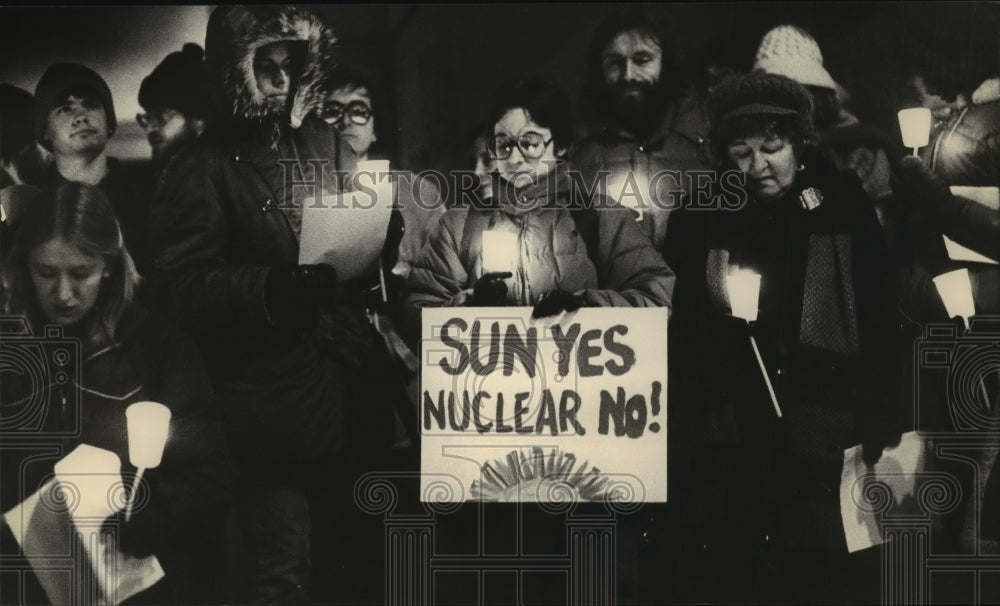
555, 302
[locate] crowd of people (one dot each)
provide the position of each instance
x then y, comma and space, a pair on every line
181, 280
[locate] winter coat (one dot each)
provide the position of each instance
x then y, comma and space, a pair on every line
678, 144
148, 360
625, 271
421, 206
225, 215
829, 398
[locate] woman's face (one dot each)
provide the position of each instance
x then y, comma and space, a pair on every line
517, 169
67, 281
274, 68
768, 161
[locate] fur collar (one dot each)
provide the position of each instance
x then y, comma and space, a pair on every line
235, 33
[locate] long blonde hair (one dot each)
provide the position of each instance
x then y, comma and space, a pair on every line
81, 215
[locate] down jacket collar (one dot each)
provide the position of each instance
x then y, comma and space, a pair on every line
551, 190
235, 33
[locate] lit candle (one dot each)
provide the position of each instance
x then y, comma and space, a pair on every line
915, 125
744, 293
955, 289
743, 287
499, 251
148, 424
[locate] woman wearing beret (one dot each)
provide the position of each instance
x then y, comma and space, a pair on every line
824, 335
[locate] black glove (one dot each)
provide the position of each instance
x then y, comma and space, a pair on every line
141, 536
490, 290
879, 430
556, 301
294, 295
915, 184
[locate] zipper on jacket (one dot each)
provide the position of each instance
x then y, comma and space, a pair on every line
268, 204
522, 256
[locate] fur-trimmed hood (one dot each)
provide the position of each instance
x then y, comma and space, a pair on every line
235, 33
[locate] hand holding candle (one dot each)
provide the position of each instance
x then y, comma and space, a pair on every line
915, 126
148, 425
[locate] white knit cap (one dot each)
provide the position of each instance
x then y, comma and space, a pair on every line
790, 51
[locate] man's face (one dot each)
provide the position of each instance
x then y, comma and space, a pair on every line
77, 125
631, 63
274, 69
167, 129
348, 102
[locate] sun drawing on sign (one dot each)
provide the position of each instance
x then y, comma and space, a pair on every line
535, 476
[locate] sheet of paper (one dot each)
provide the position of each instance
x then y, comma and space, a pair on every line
898, 469
61, 537
987, 196
346, 231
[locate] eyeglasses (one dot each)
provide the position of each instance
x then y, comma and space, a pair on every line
356, 111
531, 145
155, 119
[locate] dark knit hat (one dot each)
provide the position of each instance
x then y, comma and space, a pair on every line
180, 82
758, 93
62, 78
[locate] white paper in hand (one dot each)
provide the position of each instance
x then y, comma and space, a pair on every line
59, 529
988, 197
346, 231
862, 500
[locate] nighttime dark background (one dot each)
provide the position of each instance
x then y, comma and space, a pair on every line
443, 62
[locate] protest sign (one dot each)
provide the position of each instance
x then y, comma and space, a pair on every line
565, 408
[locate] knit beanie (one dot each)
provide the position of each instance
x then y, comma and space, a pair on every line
790, 51
179, 82
758, 93
61, 78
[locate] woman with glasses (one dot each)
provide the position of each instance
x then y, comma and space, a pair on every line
351, 107
571, 250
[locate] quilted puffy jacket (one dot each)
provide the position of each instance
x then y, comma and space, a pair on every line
626, 270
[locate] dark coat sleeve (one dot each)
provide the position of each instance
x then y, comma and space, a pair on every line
438, 276
631, 273
193, 485
189, 240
